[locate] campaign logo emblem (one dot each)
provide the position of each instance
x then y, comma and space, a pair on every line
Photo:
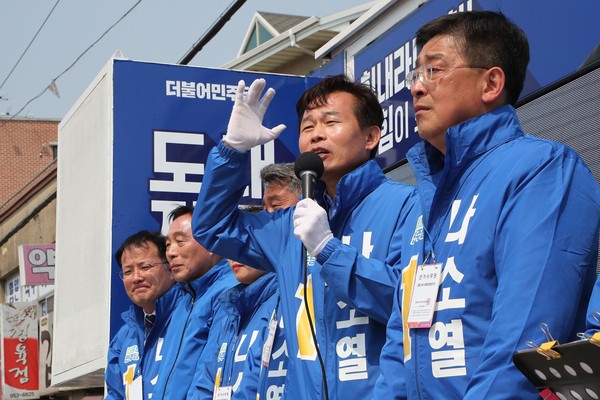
132, 354
418, 235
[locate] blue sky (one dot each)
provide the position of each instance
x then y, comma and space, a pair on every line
155, 30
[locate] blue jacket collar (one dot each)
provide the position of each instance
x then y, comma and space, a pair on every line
167, 303
466, 141
245, 299
134, 315
198, 287
353, 187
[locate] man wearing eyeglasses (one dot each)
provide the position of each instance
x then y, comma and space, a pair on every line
134, 353
507, 237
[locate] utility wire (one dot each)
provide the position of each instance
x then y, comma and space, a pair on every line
29, 45
53, 82
212, 31
100, 38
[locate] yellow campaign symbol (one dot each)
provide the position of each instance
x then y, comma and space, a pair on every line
408, 278
218, 379
306, 345
128, 378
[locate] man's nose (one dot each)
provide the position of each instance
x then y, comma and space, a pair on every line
136, 274
170, 253
317, 134
418, 88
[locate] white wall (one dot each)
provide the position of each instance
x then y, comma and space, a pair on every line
83, 237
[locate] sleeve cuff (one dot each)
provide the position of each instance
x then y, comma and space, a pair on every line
328, 250
232, 154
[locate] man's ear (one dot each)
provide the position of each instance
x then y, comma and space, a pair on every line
373, 136
494, 81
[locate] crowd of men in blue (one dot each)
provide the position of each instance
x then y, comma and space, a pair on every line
374, 288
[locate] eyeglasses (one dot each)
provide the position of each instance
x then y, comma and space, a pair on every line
429, 73
142, 270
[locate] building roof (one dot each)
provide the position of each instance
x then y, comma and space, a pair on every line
371, 24
289, 38
280, 22
27, 156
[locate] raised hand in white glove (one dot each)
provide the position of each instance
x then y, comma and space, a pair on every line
245, 129
311, 226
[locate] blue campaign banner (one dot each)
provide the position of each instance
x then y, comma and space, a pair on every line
166, 120
561, 35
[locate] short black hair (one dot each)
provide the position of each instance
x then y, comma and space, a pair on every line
367, 109
487, 39
179, 211
141, 240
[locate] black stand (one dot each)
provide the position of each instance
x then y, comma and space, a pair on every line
570, 371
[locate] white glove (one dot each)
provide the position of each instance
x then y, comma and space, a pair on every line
311, 226
245, 129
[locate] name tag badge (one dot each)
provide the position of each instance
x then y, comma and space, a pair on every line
268, 347
135, 389
424, 295
223, 393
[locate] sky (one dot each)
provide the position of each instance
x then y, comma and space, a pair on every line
160, 31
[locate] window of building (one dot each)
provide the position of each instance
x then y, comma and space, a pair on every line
54, 147
260, 34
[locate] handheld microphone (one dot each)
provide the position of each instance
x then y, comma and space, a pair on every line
308, 168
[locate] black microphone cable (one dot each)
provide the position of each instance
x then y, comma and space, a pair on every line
311, 324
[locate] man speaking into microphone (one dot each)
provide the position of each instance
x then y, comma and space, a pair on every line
352, 231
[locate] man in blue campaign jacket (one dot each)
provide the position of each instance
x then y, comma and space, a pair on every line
133, 354
352, 233
243, 336
253, 368
202, 276
593, 313
508, 233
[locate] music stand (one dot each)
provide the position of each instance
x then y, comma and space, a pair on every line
570, 371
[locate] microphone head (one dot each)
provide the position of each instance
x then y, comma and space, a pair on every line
308, 161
